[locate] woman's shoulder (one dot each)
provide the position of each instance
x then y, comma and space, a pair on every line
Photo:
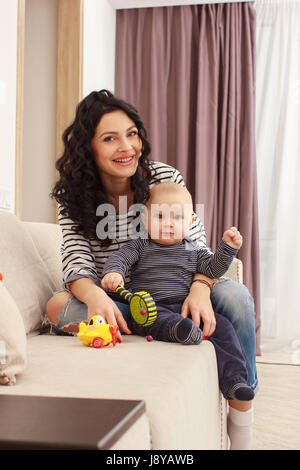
163, 172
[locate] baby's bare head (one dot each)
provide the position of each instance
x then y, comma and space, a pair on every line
169, 212
169, 193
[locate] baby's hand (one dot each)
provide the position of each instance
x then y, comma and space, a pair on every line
233, 238
112, 281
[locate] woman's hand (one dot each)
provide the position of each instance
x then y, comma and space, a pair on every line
112, 281
102, 304
198, 305
99, 303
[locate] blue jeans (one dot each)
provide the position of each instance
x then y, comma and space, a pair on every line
234, 301
228, 298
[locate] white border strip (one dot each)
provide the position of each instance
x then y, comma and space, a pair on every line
126, 4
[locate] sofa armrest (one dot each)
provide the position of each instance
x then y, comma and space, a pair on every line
235, 272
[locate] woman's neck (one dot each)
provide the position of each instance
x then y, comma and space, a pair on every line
116, 188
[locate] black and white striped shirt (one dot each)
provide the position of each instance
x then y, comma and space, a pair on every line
167, 271
86, 258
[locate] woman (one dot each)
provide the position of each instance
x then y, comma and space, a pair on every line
105, 161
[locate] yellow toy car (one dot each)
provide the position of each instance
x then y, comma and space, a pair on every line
97, 333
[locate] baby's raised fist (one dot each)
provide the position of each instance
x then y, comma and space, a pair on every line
233, 238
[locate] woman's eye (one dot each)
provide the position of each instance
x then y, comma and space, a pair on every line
133, 133
109, 138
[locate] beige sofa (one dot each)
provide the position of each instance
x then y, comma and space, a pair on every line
179, 384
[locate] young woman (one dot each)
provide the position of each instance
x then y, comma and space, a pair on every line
105, 164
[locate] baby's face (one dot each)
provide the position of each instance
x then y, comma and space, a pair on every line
169, 218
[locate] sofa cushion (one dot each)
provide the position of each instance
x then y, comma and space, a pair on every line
24, 273
47, 239
12, 339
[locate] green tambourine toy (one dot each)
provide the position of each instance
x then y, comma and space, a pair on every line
142, 306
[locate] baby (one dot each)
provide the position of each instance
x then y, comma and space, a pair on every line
164, 265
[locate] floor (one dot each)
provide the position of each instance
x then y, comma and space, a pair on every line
277, 404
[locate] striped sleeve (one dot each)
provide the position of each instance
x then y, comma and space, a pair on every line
122, 260
215, 265
77, 257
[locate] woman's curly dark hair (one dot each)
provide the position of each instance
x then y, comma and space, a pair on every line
79, 190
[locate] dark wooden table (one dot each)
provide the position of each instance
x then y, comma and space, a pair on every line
28, 422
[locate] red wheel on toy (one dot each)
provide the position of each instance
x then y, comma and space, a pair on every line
97, 342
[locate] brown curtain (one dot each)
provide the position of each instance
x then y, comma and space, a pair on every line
190, 71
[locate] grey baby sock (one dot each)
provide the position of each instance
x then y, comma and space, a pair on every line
185, 332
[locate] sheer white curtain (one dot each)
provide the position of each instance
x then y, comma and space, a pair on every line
278, 164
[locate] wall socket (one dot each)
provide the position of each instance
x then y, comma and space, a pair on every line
5, 198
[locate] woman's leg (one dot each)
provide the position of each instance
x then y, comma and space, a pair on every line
54, 307
233, 300
65, 312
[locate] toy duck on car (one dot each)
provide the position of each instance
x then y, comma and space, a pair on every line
97, 333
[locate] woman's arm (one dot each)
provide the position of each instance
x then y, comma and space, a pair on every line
80, 275
198, 305
77, 258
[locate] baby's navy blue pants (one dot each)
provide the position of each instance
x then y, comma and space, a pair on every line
230, 360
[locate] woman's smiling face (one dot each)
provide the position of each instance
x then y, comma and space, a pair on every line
116, 145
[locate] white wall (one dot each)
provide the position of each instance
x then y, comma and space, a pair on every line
99, 43
8, 76
39, 127
39, 137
